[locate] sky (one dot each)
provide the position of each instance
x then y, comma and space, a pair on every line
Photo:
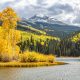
65, 10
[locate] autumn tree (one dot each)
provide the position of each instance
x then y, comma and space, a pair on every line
9, 19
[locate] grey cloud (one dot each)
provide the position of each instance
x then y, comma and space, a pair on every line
4, 6
40, 7
41, 2
77, 19
7, 4
59, 8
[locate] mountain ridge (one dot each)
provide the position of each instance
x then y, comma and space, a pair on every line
50, 25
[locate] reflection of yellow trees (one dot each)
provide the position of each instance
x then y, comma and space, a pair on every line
9, 37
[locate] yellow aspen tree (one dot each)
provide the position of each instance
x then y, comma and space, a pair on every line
9, 19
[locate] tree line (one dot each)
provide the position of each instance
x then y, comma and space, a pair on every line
65, 47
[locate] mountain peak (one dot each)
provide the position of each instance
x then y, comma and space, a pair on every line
39, 15
46, 18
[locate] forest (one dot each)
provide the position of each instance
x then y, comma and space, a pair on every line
15, 43
11, 40
60, 47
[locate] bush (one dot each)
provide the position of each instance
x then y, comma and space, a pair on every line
36, 57
28, 57
6, 57
51, 58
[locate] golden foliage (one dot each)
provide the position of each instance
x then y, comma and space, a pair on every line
36, 57
9, 18
9, 37
75, 38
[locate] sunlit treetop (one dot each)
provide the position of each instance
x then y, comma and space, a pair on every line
8, 13
9, 18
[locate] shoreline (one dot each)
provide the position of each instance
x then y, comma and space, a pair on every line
32, 64
68, 57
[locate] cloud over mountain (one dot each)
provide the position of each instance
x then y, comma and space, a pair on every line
65, 10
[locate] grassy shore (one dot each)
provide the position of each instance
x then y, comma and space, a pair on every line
32, 64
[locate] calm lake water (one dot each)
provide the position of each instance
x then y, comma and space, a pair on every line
70, 71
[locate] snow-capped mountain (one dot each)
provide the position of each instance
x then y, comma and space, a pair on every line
50, 25
47, 19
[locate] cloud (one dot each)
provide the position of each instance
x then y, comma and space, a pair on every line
4, 1
65, 10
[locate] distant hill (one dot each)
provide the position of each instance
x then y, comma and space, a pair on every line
30, 29
47, 25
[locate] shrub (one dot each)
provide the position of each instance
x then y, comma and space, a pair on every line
51, 58
28, 57
6, 57
36, 57
41, 57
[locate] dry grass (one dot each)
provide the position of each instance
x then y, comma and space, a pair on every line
33, 64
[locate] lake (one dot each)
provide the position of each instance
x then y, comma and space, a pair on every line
69, 71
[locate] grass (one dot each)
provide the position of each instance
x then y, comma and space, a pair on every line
29, 64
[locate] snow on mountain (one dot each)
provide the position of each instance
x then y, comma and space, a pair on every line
47, 19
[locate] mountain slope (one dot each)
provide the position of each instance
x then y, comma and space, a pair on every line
30, 29
49, 25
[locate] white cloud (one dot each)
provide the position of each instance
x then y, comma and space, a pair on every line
50, 2
31, 7
20, 4
4, 1
32, 2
